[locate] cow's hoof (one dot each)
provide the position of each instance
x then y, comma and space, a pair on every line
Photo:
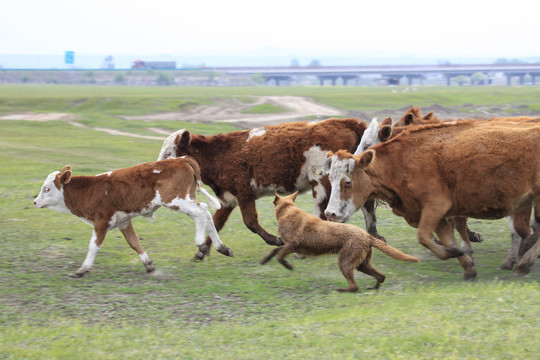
474, 236
452, 252
225, 251
77, 275
278, 242
470, 276
506, 266
522, 270
150, 269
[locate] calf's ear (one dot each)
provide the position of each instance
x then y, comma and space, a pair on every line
65, 175
428, 116
387, 121
385, 132
409, 118
364, 159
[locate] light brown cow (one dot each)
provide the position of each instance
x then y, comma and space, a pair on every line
108, 201
242, 166
434, 172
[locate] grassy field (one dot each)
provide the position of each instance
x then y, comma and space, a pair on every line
230, 308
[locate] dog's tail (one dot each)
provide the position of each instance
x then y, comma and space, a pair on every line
391, 251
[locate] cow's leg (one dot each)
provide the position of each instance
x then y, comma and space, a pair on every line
98, 235
202, 218
461, 226
133, 241
371, 220
220, 218
430, 220
520, 228
525, 263
445, 232
251, 220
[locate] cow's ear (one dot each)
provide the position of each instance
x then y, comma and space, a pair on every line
429, 116
409, 118
387, 121
328, 163
365, 159
385, 133
183, 140
65, 175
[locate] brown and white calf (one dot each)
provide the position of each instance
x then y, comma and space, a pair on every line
110, 200
243, 166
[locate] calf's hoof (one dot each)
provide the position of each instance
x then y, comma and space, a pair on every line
225, 251
199, 256
150, 269
77, 275
506, 266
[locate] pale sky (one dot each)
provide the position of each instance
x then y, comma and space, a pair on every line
220, 27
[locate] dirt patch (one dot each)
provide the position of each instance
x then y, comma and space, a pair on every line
31, 116
231, 111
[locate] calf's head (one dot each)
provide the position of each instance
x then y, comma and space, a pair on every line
351, 186
52, 192
375, 134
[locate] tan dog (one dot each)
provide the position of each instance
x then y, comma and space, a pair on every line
306, 234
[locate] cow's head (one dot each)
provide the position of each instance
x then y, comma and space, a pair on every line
413, 116
375, 134
169, 147
351, 186
52, 192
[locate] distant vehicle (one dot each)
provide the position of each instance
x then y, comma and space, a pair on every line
157, 65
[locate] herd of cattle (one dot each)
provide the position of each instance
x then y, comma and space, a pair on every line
435, 174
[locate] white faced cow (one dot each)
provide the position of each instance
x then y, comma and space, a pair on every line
108, 201
242, 166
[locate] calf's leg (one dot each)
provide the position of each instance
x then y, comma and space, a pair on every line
133, 241
520, 228
98, 235
199, 213
371, 219
525, 263
220, 218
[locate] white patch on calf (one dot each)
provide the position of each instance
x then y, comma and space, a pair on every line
108, 173
157, 171
342, 210
369, 138
256, 132
168, 149
320, 192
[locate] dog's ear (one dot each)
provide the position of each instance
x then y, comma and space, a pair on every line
276, 199
293, 196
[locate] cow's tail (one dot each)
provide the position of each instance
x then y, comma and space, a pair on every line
214, 203
391, 251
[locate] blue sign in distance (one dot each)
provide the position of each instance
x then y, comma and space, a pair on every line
69, 57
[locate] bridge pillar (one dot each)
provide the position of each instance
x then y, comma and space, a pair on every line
277, 79
346, 78
333, 78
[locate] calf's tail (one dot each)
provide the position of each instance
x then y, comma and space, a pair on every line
391, 251
214, 203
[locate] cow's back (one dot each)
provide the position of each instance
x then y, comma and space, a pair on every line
479, 167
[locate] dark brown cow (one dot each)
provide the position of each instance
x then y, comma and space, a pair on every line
434, 172
111, 200
242, 166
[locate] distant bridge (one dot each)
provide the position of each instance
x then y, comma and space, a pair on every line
393, 73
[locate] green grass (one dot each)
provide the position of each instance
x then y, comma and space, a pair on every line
227, 308
264, 109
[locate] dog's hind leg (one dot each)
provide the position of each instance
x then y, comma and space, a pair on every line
270, 255
346, 262
367, 269
284, 251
